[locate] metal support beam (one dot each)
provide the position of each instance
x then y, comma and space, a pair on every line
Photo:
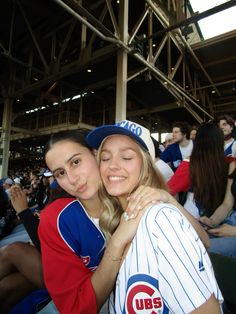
178, 88
24, 131
113, 18
67, 39
5, 138
122, 59
12, 27
182, 39
33, 38
75, 9
71, 68
137, 25
155, 109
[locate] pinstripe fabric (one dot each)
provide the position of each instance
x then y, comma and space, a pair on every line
166, 269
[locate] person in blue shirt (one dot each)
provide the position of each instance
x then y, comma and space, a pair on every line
181, 148
226, 123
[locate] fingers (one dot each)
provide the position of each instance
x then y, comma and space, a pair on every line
215, 231
144, 197
206, 221
140, 199
18, 199
16, 192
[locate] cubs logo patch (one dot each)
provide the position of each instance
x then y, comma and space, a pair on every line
143, 296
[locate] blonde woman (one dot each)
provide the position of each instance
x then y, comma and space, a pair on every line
165, 267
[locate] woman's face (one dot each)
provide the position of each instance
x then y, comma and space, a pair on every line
120, 165
75, 169
225, 127
193, 134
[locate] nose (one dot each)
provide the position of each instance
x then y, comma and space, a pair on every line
114, 163
72, 176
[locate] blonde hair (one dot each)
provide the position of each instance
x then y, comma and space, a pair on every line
149, 176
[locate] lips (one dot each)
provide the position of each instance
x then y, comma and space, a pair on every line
82, 188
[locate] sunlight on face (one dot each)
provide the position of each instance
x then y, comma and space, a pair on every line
120, 165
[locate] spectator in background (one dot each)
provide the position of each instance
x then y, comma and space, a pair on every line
193, 133
227, 125
208, 168
7, 187
181, 148
224, 241
32, 191
226, 211
204, 176
168, 140
162, 166
17, 181
43, 191
222, 224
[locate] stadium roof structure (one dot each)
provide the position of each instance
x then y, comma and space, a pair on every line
70, 63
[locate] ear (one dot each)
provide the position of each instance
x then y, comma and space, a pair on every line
94, 151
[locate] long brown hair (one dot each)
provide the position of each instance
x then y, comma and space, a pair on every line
208, 167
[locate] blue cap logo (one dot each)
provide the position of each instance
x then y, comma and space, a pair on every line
132, 127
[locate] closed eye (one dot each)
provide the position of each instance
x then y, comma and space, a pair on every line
104, 159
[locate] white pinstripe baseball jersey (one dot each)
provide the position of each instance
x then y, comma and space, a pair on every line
166, 269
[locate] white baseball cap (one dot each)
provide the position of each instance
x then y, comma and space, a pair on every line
169, 136
17, 180
132, 129
8, 181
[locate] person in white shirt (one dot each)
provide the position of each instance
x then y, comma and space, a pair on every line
162, 166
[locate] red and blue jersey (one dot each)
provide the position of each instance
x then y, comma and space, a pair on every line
72, 247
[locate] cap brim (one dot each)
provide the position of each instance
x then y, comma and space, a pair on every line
48, 174
96, 136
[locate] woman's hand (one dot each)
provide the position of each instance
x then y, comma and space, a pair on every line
224, 230
144, 197
206, 222
18, 199
126, 229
